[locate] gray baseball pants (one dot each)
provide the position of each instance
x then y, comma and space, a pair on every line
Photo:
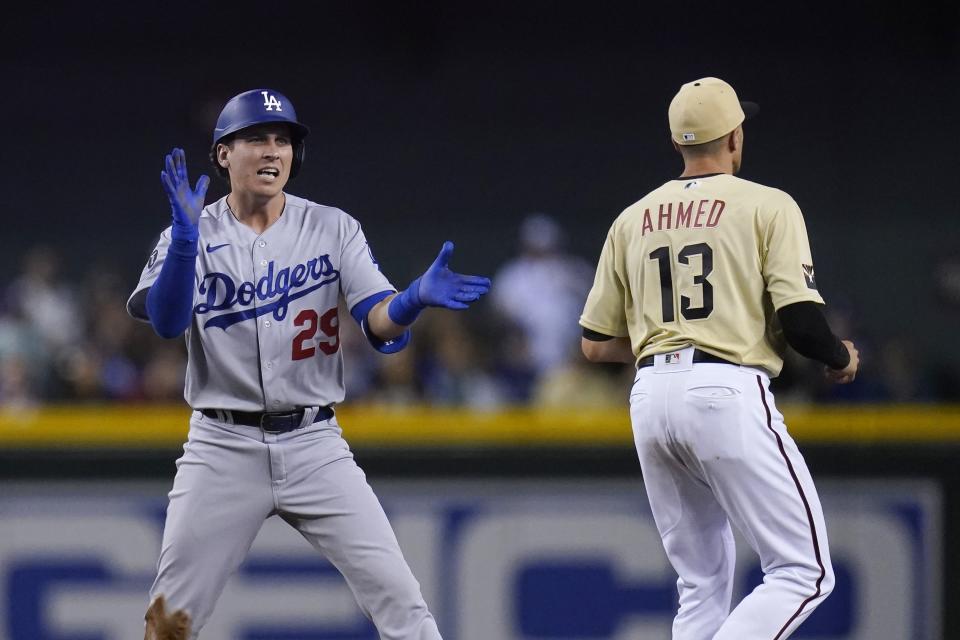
232, 477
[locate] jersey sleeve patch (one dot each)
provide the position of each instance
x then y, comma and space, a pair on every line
373, 258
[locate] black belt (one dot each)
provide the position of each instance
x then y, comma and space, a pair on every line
698, 356
270, 422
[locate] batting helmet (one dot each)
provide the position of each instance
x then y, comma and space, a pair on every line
258, 106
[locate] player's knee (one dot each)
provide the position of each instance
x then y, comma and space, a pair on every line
828, 581
183, 551
813, 580
407, 595
414, 622
817, 581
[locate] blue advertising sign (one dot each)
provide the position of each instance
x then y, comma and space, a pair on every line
502, 560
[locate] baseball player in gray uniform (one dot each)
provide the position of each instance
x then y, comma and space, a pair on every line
254, 280
702, 284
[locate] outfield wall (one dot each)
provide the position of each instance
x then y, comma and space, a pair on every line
519, 525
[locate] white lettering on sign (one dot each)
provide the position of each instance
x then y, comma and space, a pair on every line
520, 556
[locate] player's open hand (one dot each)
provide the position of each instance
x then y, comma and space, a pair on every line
186, 203
441, 287
849, 372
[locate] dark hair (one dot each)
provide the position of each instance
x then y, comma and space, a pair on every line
221, 171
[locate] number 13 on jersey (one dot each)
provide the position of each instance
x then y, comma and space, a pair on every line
667, 302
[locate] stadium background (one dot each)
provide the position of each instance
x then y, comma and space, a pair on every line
432, 122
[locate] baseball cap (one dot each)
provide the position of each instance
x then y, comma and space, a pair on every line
257, 106
706, 109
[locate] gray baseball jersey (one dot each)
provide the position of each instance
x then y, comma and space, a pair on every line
265, 330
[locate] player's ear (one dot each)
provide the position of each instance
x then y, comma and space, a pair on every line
734, 139
675, 146
222, 150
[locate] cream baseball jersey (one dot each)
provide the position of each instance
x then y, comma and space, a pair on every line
265, 329
704, 261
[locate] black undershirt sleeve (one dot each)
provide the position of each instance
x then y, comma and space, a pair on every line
807, 331
595, 336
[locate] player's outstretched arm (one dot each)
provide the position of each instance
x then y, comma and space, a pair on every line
439, 286
170, 299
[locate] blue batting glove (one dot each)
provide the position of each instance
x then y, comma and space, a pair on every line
185, 202
437, 287
441, 287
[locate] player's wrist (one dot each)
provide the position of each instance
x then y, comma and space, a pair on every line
184, 241
406, 305
840, 358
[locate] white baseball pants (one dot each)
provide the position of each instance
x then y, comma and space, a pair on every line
714, 451
232, 477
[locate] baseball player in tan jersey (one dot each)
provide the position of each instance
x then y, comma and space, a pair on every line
702, 284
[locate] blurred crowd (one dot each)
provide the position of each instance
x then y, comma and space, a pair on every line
70, 340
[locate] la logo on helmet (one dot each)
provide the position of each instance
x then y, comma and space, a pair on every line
270, 101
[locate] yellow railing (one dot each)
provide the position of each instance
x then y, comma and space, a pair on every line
162, 425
